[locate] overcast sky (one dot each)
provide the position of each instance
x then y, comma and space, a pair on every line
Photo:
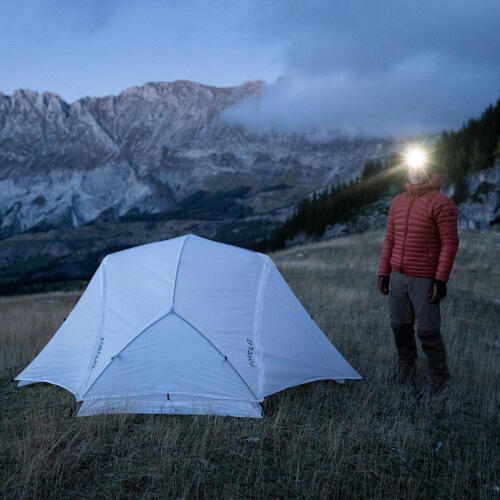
386, 67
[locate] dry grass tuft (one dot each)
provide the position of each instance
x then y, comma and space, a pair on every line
365, 438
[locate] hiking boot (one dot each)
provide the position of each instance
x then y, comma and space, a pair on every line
404, 375
433, 346
433, 391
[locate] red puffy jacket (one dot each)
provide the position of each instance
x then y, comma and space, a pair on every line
421, 237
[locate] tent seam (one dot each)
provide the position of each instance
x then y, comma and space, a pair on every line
99, 332
177, 265
257, 329
162, 393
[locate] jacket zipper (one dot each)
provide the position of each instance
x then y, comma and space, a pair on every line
412, 199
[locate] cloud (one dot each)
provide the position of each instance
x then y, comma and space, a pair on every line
380, 68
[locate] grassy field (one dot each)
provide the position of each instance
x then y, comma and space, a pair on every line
361, 439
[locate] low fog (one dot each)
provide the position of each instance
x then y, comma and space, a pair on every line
381, 69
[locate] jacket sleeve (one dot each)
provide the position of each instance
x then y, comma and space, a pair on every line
446, 216
384, 267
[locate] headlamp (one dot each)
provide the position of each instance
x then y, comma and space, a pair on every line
416, 157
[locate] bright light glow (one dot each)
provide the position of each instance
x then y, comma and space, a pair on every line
416, 157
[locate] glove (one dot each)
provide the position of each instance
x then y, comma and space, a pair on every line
383, 285
437, 291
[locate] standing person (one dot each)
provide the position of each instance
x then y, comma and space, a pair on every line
419, 248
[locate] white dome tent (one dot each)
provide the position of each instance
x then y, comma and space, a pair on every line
185, 326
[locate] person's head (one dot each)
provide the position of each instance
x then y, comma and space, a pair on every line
417, 175
416, 160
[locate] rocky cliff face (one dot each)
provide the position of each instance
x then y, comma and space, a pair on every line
481, 208
147, 150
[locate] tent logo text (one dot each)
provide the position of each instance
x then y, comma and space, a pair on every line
98, 353
250, 352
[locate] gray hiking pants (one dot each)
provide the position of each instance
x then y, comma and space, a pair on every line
409, 304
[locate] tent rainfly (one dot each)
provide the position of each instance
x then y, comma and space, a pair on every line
185, 326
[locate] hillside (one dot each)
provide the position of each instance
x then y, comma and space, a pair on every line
321, 440
316, 220
468, 161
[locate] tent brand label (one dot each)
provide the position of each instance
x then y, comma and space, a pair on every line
98, 353
250, 352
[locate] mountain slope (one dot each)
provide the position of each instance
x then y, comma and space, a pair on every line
468, 161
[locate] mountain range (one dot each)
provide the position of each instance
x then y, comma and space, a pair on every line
164, 150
